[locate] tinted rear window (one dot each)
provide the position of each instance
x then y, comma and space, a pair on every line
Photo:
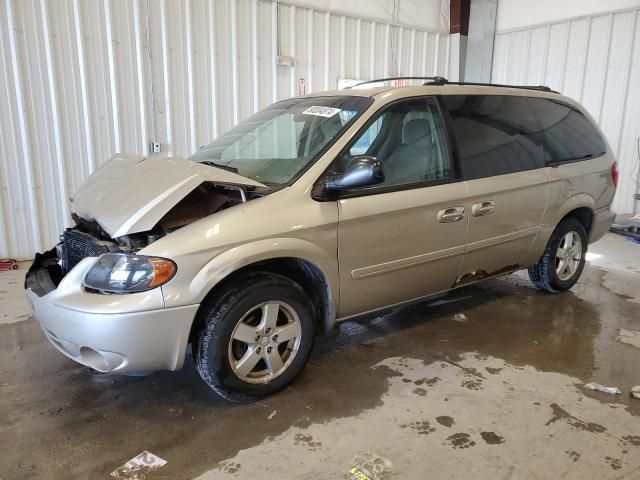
500, 134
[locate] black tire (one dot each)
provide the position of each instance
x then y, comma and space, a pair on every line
543, 275
219, 319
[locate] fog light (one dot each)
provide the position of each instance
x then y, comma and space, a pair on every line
101, 361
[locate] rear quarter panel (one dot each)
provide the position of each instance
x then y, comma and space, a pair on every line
585, 183
574, 185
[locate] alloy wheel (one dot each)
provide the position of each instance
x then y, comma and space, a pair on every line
568, 256
264, 342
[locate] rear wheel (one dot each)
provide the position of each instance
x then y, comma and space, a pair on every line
564, 258
256, 337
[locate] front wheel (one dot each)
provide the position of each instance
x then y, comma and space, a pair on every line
256, 337
564, 258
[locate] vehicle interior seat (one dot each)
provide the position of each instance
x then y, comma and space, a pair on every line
411, 161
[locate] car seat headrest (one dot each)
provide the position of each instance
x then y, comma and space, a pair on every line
416, 130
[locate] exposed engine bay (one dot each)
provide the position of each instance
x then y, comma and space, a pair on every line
88, 239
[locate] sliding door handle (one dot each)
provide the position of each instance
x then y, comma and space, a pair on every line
451, 214
483, 208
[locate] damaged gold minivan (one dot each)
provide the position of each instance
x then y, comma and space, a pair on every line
315, 210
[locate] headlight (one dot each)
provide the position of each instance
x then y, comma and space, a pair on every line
122, 273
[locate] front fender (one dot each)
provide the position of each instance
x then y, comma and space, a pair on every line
240, 256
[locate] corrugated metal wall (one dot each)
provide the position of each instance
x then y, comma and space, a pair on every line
595, 60
83, 79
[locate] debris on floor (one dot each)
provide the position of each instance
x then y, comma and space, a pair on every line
272, 414
138, 467
460, 317
370, 466
628, 227
629, 337
601, 388
635, 392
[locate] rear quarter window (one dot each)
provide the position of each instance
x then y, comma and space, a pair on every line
566, 134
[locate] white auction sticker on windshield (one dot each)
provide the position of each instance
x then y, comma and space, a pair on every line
321, 111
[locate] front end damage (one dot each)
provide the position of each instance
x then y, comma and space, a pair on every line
126, 331
87, 238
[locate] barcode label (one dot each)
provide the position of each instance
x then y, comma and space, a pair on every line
321, 111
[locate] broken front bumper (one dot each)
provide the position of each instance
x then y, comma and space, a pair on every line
110, 333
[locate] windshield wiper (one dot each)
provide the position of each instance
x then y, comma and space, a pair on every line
219, 165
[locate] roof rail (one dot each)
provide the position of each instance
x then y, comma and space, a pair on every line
444, 81
440, 80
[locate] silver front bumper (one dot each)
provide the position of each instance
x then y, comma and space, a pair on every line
113, 333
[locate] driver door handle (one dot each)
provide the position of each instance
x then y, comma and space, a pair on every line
451, 214
483, 208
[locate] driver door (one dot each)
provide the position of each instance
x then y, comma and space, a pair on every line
405, 238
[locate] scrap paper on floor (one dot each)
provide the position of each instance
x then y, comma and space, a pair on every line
138, 467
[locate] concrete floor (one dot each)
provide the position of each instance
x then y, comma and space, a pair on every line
485, 383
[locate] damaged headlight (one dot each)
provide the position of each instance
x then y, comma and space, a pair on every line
124, 273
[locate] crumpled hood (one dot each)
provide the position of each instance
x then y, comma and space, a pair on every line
130, 194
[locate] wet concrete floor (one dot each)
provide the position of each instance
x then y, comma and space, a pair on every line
486, 382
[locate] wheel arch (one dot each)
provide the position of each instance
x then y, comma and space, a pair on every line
582, 202
312, 271
584, 215
581, 207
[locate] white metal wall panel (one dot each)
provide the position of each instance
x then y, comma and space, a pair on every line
595, 60
84, 79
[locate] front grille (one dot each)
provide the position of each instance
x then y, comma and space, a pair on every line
77, 245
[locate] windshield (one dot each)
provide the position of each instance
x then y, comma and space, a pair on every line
275, 144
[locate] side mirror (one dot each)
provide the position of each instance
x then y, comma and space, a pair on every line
361, 171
